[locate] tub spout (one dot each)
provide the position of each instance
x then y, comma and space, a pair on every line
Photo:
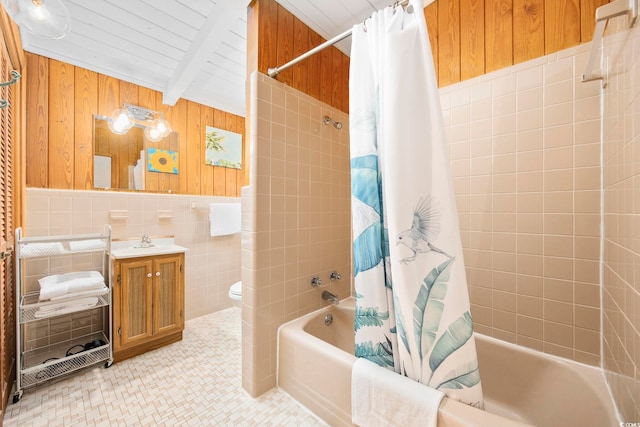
326, 295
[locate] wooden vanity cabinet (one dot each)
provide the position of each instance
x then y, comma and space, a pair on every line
148, 303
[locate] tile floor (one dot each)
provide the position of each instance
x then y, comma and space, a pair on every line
195, 382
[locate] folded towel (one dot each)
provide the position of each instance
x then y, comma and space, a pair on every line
86, 245
62, 284
381, 397
224, 218
29, 250
73, 295
62, 308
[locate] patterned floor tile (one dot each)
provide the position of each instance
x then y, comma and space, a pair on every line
195, 382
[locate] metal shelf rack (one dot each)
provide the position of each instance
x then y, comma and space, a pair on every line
41, 360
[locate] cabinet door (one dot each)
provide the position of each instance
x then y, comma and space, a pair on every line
168, 295
136, 302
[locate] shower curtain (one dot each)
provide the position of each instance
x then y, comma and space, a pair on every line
412, 303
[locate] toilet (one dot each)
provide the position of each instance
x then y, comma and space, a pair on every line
235, 293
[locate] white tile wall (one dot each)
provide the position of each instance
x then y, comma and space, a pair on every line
212, 263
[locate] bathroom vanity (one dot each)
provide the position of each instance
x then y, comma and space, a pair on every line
148, 298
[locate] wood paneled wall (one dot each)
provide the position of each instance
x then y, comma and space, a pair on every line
474, 37
282, 37
468, 38
61, 102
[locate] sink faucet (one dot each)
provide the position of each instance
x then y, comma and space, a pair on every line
326, 295
146, 241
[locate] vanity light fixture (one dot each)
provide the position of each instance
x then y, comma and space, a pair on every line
48, 19
156, 127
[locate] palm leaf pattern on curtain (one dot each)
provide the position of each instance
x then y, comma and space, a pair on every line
380, 353
369, 316
427, 317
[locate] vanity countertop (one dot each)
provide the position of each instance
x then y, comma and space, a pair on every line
121, 249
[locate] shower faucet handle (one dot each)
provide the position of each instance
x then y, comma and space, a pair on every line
316, 281
335, 276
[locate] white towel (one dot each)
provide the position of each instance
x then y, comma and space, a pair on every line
381, 397
62, 284
67, 307
225, 218
29, 250
86, 245
89, 293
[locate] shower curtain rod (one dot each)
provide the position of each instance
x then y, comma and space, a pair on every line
273, 72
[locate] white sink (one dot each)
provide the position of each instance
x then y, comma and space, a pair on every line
132, 248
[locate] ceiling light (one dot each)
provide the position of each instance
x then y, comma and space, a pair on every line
121, 121
154, 123
44, 18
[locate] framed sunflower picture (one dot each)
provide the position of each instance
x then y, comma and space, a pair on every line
162, 160
223, 148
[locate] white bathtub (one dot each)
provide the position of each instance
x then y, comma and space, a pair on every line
520, 386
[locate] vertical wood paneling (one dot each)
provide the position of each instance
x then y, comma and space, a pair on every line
498, 35
60, 129
472, 45
86, 103
37, 122
180, 127
300, 46
344, 82
267, 34
588, 17
431, 16
449, 41
326, 68
108, 94
562, 24
285, 44
194, 141
61, 124
207, 116
219, 174
314, 76
528, 30
230, 173
336, 80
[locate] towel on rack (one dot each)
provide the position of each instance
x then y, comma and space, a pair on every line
66, 307
87, 245
225, 218
62, 284
381, 397
89, 293
29, 250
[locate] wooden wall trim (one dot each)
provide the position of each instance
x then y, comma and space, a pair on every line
468, 38
61, 102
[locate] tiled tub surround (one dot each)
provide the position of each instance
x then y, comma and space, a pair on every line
525, 154
297, 220
212, 263
621, 266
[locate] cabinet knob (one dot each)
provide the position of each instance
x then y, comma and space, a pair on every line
157, 274
148, 274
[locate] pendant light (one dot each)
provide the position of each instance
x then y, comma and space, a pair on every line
48, 19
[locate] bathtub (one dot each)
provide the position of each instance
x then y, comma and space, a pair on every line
521, 386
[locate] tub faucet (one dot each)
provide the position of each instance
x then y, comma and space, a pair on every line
328, 296
146, 241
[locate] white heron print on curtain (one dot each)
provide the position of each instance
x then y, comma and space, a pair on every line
412, 303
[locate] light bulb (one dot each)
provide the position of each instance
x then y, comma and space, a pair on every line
122, 120
152, 134
38, 11
162, 126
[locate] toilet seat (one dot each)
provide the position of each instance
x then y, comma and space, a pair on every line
235, 290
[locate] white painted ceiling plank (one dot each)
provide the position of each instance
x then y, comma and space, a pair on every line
155, 17
151, 29
214, 28
178, 11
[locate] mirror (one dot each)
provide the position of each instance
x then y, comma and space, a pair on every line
119, 161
